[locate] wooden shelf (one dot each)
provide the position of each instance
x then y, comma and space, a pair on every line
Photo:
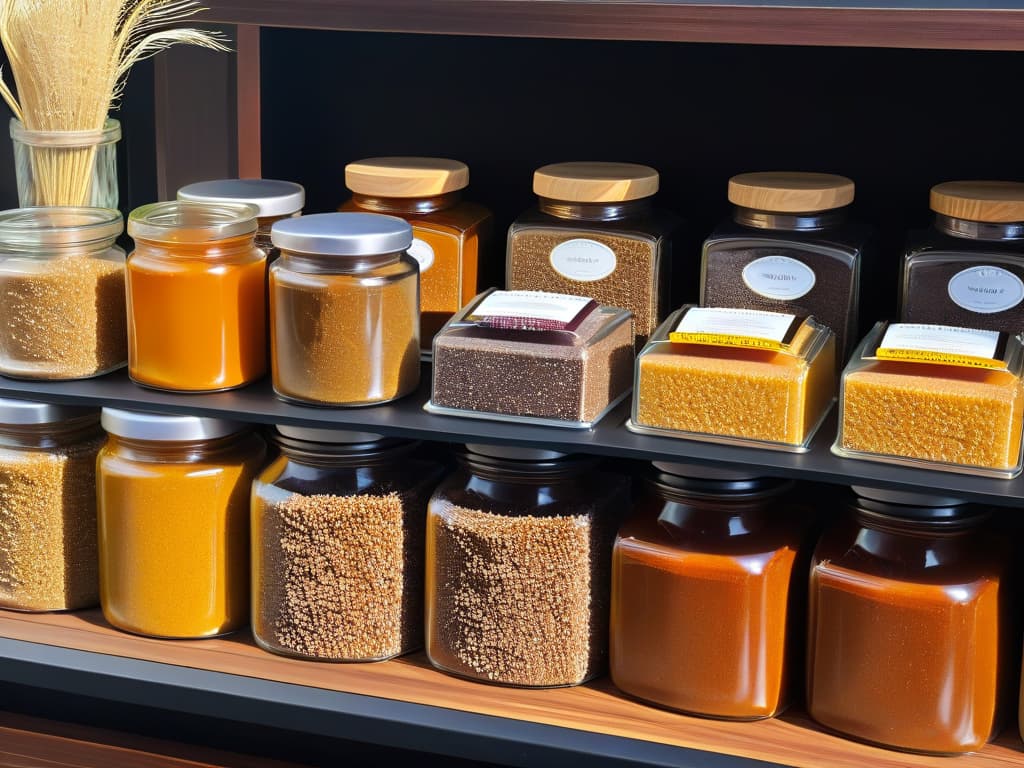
879, 23
590, 719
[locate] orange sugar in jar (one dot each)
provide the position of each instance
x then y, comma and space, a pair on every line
196, 297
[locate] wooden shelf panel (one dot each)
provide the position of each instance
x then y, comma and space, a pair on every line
406, 418
596, 709
883, 23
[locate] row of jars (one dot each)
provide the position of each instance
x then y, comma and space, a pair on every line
197, 302
523, 567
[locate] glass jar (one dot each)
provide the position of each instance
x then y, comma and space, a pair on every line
62, 280
596, 233
450, 235
275, 200
518, 551
337, 546
909, 635
344, 308
196, 297
48, 506
60, 168
708, 583
790, 246
968, 269
174, 523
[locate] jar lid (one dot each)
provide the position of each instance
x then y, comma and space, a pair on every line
58, 226
595, 182
27, 412
182, 221
918, 507
320, 435
788, 192
143, 425
406, 176
989, 201
705, 472
909, 498
342, 234
514, 452
271, 197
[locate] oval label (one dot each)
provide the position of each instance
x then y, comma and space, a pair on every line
986, 289
779, 277
423, 253
583, 260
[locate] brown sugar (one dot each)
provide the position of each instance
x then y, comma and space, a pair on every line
934, 412
64, 320
342, 576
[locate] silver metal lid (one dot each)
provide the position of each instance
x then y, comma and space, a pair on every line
515, 452
270, 196
705, 472
320, 435
342, 234
906, 498
58, 226
142, 425
26, 412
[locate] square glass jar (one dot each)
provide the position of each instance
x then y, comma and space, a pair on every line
564, 377
737, 376
935, 397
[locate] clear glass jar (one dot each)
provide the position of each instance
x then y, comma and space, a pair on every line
708, 588
48, 506
450, 235
275, 200
790, 246
66, 168
596, 233
196, 297
344, 308
518, 556
337, 546
910, 639
62, 279
174, 523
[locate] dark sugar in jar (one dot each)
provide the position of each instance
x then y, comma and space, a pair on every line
789, 247
968, 269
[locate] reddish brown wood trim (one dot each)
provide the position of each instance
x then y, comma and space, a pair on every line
248, 87
983, 29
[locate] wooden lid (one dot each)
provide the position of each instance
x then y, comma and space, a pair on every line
790, 192
991, 201
595, 182
406, 176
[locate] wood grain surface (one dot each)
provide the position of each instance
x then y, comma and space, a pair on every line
790, 740
30, 742
977, 28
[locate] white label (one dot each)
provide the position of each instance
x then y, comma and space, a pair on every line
423, 253
986, 290
945, 339
557, 307
737, 322
779, 277
583, 260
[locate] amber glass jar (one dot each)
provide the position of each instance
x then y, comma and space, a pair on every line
968, 269
337, 546
596, 233
344, 308
909, 637
790, 246
196, 297
518, 551
174, 523
451, 235
707, 593
48, 506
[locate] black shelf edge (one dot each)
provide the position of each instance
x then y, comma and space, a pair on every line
356, 717
406, 418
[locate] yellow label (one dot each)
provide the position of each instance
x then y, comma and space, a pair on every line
939, 358
725, 340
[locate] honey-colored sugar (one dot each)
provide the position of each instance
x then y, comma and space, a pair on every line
934, 412
737, 392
